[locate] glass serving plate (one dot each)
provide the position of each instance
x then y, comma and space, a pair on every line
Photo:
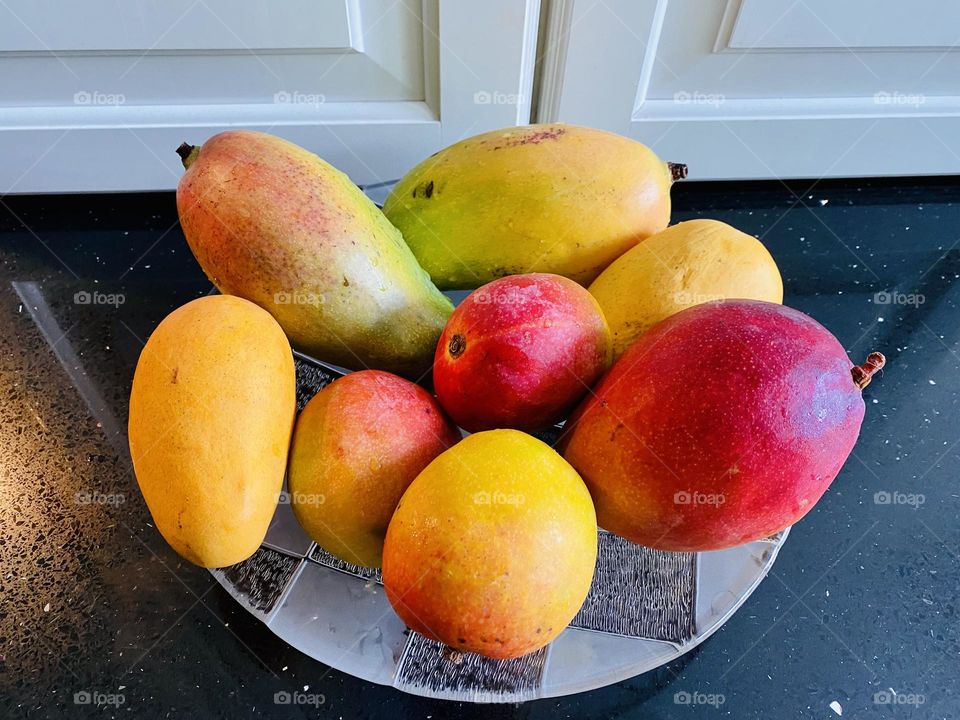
645, 608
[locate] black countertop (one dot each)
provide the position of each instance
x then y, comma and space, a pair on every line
862, 599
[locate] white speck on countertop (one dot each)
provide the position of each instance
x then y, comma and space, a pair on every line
823, 202
46, 608
284, 668
932, 382
836, 707
879, 319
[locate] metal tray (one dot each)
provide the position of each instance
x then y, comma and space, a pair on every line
645, 608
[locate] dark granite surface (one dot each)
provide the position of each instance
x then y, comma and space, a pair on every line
862, 600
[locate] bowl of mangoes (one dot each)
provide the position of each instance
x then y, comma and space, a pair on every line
511, 435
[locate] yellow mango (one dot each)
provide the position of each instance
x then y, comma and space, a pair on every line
550, 198
493, 546
211, 415
687, 264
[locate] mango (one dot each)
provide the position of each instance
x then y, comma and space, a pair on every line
546, 198
211, 414
273, 223
492, 548
722, 425
357, 446
520, 352
687, 264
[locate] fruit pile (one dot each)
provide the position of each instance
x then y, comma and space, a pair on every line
700, 412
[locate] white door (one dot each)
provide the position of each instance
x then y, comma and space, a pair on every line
764, 88
97, 95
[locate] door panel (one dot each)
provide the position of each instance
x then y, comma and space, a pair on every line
141, 25
751, 89
763, 25
377, 55
98, 99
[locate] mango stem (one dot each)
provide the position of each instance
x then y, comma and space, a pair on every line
188, 153
863, 374
678, 171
